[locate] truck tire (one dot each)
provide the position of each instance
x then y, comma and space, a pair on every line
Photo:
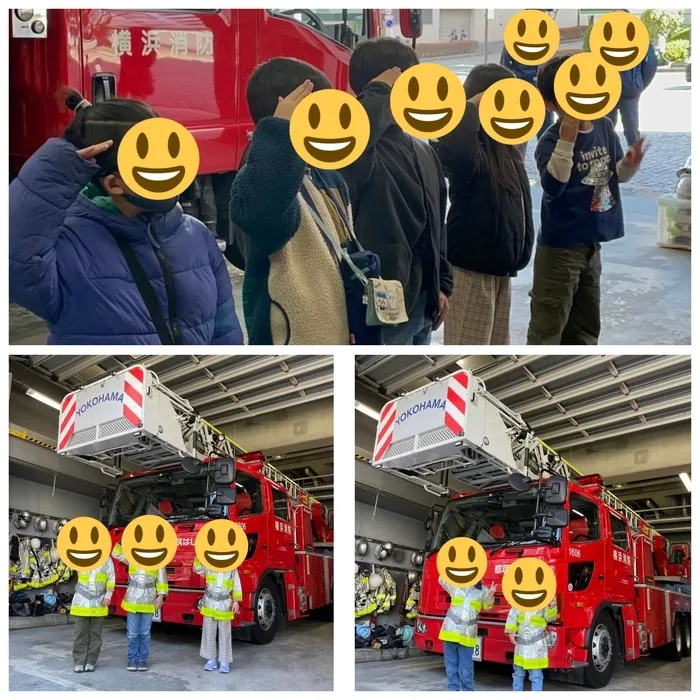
686, 637
602, 652
674, 650
267, 612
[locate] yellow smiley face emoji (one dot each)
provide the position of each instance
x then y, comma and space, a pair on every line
428, 101
620, 39
586, 87
84, 544
529, 584
531, 37
149, 542
221, 545
329, 129
511, 111
462, 562
158, 158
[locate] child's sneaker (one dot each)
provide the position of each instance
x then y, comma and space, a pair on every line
89, 668
223, 668
210, 665
143, 666
78, 669
131, 666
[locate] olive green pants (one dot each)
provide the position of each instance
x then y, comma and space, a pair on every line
565, 296
87, 641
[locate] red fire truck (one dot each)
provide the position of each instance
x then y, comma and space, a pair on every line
191, 473
189, 65
623, 591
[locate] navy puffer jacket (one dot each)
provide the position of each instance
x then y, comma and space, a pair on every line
66, 266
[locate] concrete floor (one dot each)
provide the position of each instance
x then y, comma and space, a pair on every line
428, 673
300, 658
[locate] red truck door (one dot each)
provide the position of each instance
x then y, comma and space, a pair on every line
182, 62
584, 552
281, 530
619, 556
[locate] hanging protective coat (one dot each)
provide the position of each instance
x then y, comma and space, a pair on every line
144, 586
385, 595
364, 602
530, 628
411, 606
462, 619
90, 591
223, 587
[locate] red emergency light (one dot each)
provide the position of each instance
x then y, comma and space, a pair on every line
591, 480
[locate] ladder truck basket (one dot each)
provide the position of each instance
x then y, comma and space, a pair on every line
451, 424
130, 414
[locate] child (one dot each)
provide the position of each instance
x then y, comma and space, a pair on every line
219, 605
528, 631
459, 632
581, 165
93, 594
73, 221
398, 195
145, 594
293, 291
490, 233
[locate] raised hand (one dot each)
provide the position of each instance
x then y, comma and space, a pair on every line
388, 77
568, 131
287, 105
635, 154
90, 152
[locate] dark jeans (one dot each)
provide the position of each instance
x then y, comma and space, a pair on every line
138, 637
565, 296
416, 331
628, 109
87, 641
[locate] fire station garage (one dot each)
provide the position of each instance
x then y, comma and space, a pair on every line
143, 435
465, 446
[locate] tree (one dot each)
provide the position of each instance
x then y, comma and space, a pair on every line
661, 22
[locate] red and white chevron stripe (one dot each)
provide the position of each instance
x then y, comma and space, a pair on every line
456, 408
67, 420
385, 430
133, 396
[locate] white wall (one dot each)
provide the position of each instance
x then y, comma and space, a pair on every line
37, 498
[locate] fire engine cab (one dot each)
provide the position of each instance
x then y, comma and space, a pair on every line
188, 65
188, 472
622, 591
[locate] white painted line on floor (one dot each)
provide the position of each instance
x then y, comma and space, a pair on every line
69, 685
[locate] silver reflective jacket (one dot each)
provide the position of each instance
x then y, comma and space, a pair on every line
144, 586
91, 589
462, 619
530, 629
223, 587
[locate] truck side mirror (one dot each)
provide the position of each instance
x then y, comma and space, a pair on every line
557, 517
556, 490
225, 497
223, 471
411, 22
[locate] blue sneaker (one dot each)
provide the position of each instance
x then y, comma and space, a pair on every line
210, 665
223, 668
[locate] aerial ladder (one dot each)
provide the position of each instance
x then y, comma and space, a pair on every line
455, 425
130, 416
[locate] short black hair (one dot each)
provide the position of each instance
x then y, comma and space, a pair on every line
545, 78
483, 76
110, 119
374, 56
277, 78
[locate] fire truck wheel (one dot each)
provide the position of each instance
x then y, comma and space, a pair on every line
686, 636
675, 648
267, 612
602, 652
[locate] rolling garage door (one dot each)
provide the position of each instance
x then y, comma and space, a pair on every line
454, 19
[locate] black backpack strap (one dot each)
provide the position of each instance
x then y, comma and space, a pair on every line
146, 291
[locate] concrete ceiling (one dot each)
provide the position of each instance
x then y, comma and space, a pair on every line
279, 404
626, 417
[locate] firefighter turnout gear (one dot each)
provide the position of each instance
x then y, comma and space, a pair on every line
93, 591
530, 630
411, 605
144, 586
223, 587
369, 600
460, 625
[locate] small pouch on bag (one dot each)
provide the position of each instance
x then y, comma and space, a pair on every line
385, 302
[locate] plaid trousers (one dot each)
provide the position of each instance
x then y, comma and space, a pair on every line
479, 309
208, 646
